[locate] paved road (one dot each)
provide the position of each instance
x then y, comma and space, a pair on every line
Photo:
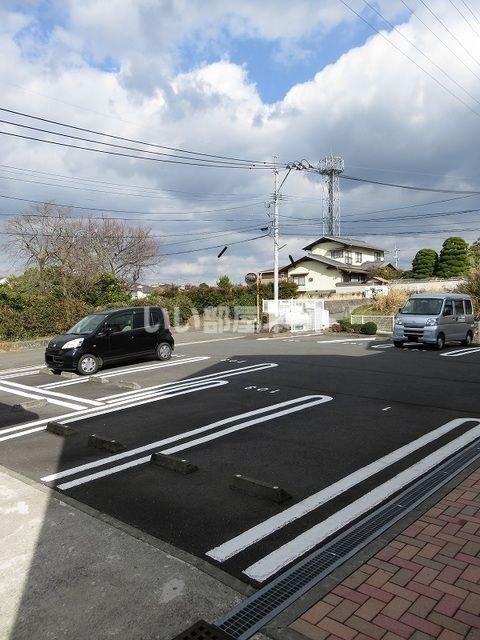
327, 419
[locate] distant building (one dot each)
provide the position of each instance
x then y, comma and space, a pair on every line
332, 264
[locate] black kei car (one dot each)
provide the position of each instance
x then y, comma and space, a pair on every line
106, 337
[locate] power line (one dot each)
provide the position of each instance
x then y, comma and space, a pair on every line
404, 186
463, 16
454, 95
471, 11
151, 213
450, 32
88, 187
440, 39
156, 154
133, 140
394, 28
174, 253
409, 206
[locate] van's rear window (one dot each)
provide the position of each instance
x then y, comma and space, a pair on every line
423, 306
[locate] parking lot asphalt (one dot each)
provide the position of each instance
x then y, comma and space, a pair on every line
322, 421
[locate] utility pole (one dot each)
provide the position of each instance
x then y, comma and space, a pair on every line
275, 236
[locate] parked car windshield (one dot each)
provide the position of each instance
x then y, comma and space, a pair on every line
423, 306
87, 325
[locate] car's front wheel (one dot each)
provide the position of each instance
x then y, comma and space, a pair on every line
398, 344
88, 365
440, 343
468, 340
164, 351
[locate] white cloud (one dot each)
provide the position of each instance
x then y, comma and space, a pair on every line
387, 118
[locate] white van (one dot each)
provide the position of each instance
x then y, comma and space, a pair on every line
435, 318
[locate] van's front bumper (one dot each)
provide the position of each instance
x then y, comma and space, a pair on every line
62, 359
405, 333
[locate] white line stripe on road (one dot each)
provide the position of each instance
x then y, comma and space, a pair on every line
187, 344
346, 340
50, 394
37, 396
167, 388
14, 432
21, 370
227, 373
460, 352
169, 440
289, 552
302, 508
30, 372
126, 371
298, 404
293, 337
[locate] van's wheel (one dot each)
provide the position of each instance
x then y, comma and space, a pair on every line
468, 340
164, 351
440, 343
88, 365
398, 344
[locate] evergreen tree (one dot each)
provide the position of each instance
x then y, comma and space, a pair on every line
474, 254
424, 264
453, 259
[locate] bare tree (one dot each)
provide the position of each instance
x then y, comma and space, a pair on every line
120, 249
48, 236
36, 236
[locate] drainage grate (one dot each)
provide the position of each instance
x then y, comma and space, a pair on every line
202, 630
264, 605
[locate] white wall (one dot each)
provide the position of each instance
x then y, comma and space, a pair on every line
417, 286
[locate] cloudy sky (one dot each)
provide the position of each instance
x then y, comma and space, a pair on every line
222, 91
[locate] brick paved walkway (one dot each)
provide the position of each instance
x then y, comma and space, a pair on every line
424, 584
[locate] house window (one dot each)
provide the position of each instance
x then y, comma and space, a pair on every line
348, 257
354, 277
300, 280
378, 256
336, 253
358, 257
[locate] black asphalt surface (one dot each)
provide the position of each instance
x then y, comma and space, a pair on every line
371, 399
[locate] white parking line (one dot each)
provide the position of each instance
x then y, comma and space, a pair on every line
292, 550
302, 508
21, 371
163, 391
126, 371
39, 425
274, 411
290, 338
20, 374
346, 340
227, 373
186, 344
50, 395
461, 352
37, 396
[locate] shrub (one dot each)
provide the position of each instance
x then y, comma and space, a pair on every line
336, 328
388, 304
369, 328
345, 324
356, 328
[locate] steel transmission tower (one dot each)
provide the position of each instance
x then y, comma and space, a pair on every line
331, 167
